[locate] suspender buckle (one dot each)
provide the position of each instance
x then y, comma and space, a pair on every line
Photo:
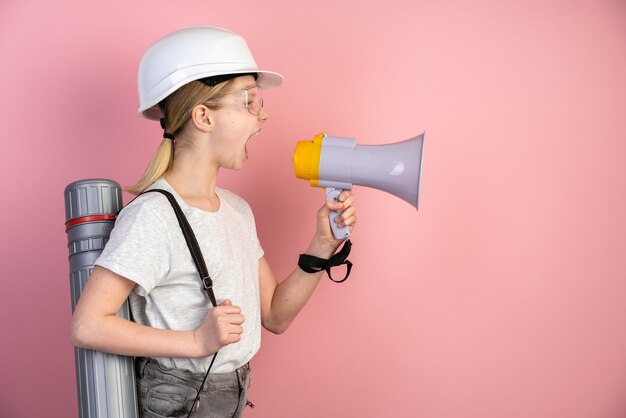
207, 283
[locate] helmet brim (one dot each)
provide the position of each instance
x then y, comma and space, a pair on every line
266, 80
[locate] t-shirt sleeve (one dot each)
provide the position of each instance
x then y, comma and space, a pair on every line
138, 248
257, 243
259, 250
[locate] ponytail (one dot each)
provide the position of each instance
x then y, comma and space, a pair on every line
161, 162
176, 109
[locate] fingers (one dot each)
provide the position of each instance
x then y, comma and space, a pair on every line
221, 326
231, 332
228, 322
347, 198
228, 313
228, 308
345, 208
347, 218
230, 336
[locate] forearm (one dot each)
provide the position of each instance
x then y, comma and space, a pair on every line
281, 302
290, 297
116, 335
294, 292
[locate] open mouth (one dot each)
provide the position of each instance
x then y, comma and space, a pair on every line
246, 145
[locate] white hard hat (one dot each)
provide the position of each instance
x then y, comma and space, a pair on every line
191, 54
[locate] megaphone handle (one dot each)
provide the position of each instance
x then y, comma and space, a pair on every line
332, 195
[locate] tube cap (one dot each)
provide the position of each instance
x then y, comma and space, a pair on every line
92, 197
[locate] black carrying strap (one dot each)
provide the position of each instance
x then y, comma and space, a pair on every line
198, 259
192, 243
312, 264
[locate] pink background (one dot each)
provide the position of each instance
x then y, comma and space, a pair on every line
503, 296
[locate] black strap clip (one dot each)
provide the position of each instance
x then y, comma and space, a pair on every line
312, 264
207, 283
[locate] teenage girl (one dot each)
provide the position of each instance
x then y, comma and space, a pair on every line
206, 89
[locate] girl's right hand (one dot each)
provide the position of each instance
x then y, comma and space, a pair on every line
221, 327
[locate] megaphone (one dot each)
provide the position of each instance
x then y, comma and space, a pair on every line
336, 164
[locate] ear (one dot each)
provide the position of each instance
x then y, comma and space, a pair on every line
202, 117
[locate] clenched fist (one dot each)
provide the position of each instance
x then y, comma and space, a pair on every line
221, 326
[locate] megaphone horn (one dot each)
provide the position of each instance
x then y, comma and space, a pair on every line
337, 164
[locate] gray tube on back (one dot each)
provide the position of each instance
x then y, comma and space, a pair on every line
105, 382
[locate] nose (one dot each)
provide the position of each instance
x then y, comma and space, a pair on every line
263, 115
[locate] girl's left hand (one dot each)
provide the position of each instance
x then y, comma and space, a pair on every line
324, 241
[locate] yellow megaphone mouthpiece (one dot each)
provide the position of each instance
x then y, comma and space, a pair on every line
306, 159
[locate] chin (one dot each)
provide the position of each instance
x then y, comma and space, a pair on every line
237, 166
234, 167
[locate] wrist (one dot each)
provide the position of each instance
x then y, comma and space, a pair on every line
196, 349
321, 249
199, 348
314, 264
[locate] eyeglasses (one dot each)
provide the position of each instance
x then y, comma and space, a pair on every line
251, 99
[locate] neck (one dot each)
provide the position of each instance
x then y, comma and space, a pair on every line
194, 179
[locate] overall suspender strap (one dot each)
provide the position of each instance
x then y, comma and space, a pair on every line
192, 243
198, 259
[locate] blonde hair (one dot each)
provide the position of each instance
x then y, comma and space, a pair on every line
176, 110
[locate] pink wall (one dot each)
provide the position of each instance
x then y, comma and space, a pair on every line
502, 297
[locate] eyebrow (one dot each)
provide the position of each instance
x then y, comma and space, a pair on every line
239, 89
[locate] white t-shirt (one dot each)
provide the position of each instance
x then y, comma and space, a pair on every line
148, 247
